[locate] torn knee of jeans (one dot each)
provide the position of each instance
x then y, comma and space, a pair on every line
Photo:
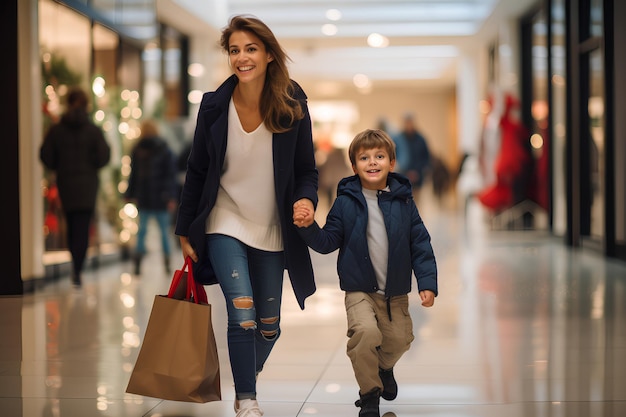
248, 324
269, 334
269, 320
243, 303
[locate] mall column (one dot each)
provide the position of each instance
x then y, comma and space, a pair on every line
11, 277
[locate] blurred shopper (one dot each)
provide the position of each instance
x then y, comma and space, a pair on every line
251, 162
441, 177
413, 154
75, 149
153, 188
384, 125
332, 165
382, 242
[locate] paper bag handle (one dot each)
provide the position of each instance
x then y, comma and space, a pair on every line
194, 290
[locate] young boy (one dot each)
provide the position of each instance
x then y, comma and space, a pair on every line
381, 238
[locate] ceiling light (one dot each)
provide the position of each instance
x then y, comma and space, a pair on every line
329, 29
376, 40
333, 14
195, 69
195, 96
361, 81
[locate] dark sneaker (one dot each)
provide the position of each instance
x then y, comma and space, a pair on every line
369, 404
137, 263
76, 280
390, 387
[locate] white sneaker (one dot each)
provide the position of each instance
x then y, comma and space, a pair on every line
247, 408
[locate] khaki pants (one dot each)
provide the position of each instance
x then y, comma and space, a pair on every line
375, 341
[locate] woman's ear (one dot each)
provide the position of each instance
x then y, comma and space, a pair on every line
270, 58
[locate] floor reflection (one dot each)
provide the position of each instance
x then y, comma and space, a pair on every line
523, 327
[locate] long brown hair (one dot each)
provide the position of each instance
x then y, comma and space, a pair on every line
278, 108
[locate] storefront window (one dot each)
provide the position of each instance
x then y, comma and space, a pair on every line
173, 55
65, 55
595, 106
540, 110
596, 20
112, 76
65, 52
559, 122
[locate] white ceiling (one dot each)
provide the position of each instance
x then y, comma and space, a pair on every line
425, 37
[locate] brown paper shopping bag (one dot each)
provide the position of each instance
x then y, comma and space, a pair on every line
178, 357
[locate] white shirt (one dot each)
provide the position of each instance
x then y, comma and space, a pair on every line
377, 240
246, 199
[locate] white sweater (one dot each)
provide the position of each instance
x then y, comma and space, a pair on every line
246, 200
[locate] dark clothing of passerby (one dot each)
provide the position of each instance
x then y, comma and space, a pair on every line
413, 156
152, 180
76, 150
152, 186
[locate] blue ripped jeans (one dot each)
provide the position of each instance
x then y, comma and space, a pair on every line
252, 283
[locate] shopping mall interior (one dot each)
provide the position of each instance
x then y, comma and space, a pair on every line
525, 200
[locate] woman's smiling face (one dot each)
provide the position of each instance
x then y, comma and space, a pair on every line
248, 57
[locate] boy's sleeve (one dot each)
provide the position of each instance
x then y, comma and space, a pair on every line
330, 237
422, 255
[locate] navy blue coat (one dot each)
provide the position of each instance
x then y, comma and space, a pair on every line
152, 180
295, 177
76, 150
346, 229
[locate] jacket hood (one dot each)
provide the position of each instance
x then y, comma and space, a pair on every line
399, 186
151, 142
75, 118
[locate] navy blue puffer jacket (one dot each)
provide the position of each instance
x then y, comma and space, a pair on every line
346, 229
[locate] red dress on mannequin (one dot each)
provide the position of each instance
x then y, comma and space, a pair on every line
511, 165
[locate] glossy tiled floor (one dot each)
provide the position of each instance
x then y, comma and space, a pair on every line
523, 327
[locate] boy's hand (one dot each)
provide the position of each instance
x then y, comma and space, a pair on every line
428, 298
303, 213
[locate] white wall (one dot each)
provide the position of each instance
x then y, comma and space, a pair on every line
434, 112
30, 122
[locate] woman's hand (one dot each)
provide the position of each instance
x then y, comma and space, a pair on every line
305, 212
187, 249
300, 213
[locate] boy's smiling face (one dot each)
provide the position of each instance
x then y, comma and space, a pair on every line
373, 166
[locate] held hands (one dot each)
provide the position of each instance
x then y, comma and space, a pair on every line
303, 213
427, 297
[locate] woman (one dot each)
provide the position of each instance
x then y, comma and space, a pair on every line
251, 162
